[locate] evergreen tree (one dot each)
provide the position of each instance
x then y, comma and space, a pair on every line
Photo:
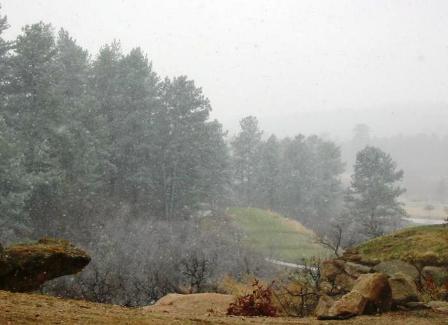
180, 133
268, 174
5, 47
15, 187
374, 192
246, 151
15, 182
33, 111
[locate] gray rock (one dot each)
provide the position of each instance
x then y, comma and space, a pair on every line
416, 305
403, 289
355, 269
395, 266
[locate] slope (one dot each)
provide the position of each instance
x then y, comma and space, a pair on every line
276, 236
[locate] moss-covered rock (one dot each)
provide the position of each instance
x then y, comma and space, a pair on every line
25, 267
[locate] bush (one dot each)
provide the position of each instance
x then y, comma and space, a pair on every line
429, 290
257, 303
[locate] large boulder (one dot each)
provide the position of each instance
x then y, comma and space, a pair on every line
370, 293
395, 266
25, 267
374, 287
403, 289
351, 304
197, 304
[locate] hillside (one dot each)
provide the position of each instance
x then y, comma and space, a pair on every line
276, 236
420, 242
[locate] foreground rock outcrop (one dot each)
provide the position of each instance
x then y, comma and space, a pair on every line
385, 273
25, 267
371, 293
199, 303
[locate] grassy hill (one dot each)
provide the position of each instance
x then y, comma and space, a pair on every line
422, 242
275, 236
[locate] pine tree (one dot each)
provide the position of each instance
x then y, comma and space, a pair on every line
246, 151
179, 141
268, 174
374, 192
15, 182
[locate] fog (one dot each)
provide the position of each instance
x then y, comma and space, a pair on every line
381, 63
188, 146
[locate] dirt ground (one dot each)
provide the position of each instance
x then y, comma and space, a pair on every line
17, 308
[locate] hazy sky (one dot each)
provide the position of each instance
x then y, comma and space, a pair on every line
278, 58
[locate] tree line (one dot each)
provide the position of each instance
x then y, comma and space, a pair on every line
82, 138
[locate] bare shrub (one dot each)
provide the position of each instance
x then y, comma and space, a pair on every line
136, 263
298, 292
257, 303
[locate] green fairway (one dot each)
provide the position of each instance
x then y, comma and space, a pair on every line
275, 236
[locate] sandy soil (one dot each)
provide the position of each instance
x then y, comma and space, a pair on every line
16, 308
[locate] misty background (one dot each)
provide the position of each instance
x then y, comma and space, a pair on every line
299, 66
141, 130
310, 67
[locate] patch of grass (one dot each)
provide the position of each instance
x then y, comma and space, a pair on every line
275, 236
419, 241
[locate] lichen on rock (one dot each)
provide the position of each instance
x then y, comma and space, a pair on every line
25, 267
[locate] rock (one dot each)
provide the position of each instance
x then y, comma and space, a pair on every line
323, 307
395, 266
403, 289
438, 274
355, 269
330, 269
372, 286
327, 288
25, 267
414, 305
439, 306
376, 289
371, 293
351, 304
199, 303
333, 271
344, 282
